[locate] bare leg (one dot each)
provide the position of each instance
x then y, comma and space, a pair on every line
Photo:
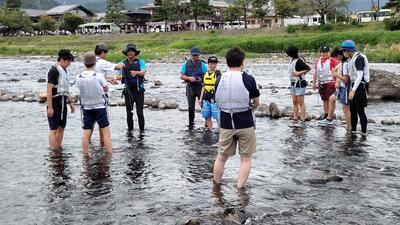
295, 107
219, 166
101, 137
347, 116
107, 139
60, 136
244, 171
53, 139
332, 106
209, 123
303, 110
326, 106
85, 140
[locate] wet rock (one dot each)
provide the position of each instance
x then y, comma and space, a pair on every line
384, 85
274, 91
189, 221
287, 111
29, 99
260, 86
41, 80
183, 109
262, 110
308, 93
121, 103
274, 110
316, 181
18, 98
153, 103
24, 74
334, 178
237, 216
14, 80
29, 94
157, 83
371, 121
5, 97
112, 104
398, 123
388, 122
42, 98
164, 104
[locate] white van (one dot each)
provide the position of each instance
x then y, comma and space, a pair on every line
233, 25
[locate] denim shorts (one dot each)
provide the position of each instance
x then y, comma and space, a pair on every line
298, 91
343, 95
90, 117
210, 110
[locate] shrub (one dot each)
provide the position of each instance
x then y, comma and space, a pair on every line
392, 24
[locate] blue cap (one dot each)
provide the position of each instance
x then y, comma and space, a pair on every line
195, 51
324, 49
349, 45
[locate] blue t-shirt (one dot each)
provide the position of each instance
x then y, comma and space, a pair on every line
203, 68
244, 119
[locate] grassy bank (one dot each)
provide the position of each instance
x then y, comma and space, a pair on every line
379, 45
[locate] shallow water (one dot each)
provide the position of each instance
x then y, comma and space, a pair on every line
164, 176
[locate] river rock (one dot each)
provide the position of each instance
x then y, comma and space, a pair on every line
41, 80
29, 99
262, 110
14, 80
260, 86
29, 94
183, 109
6, 97
18, 98
25, 74
42, 98
157, 83
153, 103
287, 111
371, 121
274, 91
274, 110
164, 104
388, 122
112, 104
121, 102
384, 85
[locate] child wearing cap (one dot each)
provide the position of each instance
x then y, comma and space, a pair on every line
92, 88
207, 98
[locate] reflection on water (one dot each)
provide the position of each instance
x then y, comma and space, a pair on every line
97, 178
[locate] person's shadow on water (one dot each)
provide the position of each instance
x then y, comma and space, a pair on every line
97, 178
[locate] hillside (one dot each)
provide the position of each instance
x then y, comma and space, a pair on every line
35, 4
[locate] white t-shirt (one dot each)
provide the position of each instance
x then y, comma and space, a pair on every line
105, 67
91, 89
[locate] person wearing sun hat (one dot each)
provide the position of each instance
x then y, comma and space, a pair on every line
192, 72
359, 83
133, 78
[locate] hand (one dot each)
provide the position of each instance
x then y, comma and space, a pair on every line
200, 103
351, 95
113, 81
72, 107
314, 86
50, 112
133, 73
192, 79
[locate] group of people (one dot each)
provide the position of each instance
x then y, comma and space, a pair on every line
342, 74
229, 98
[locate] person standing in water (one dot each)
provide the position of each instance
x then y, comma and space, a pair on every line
325, 80
133, 78
359, 84
210, 109
342, 85
192, 73
235, 90
297, 71
58, 98
92, 89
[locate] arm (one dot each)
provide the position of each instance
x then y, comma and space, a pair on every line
50, 110
187, 78
201, 96
256, 102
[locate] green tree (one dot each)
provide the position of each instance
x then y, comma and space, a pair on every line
323, 7
244, 7
232, 13
199, 8
285, 8
14, 20
13, 4
167, 11
114, 12
393, 4
260, 8
71, 22
46, 23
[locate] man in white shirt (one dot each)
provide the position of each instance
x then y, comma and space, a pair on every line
92, 88
103, 66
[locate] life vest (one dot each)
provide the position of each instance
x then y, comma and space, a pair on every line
324, 73
231, 94
128, 79
292, 69
353, 69
209, 81
63, 82
194, 69
90, 94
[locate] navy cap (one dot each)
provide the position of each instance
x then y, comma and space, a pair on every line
324, 49
212, 59
195, 51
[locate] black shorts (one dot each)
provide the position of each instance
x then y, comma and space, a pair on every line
90, 117
59, 118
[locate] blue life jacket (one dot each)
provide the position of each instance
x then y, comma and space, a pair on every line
194, 69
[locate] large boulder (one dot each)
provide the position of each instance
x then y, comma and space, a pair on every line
42, 98
262, 110
384, 85
287, 111
6, 97
164, 104
274, 111
153, 103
